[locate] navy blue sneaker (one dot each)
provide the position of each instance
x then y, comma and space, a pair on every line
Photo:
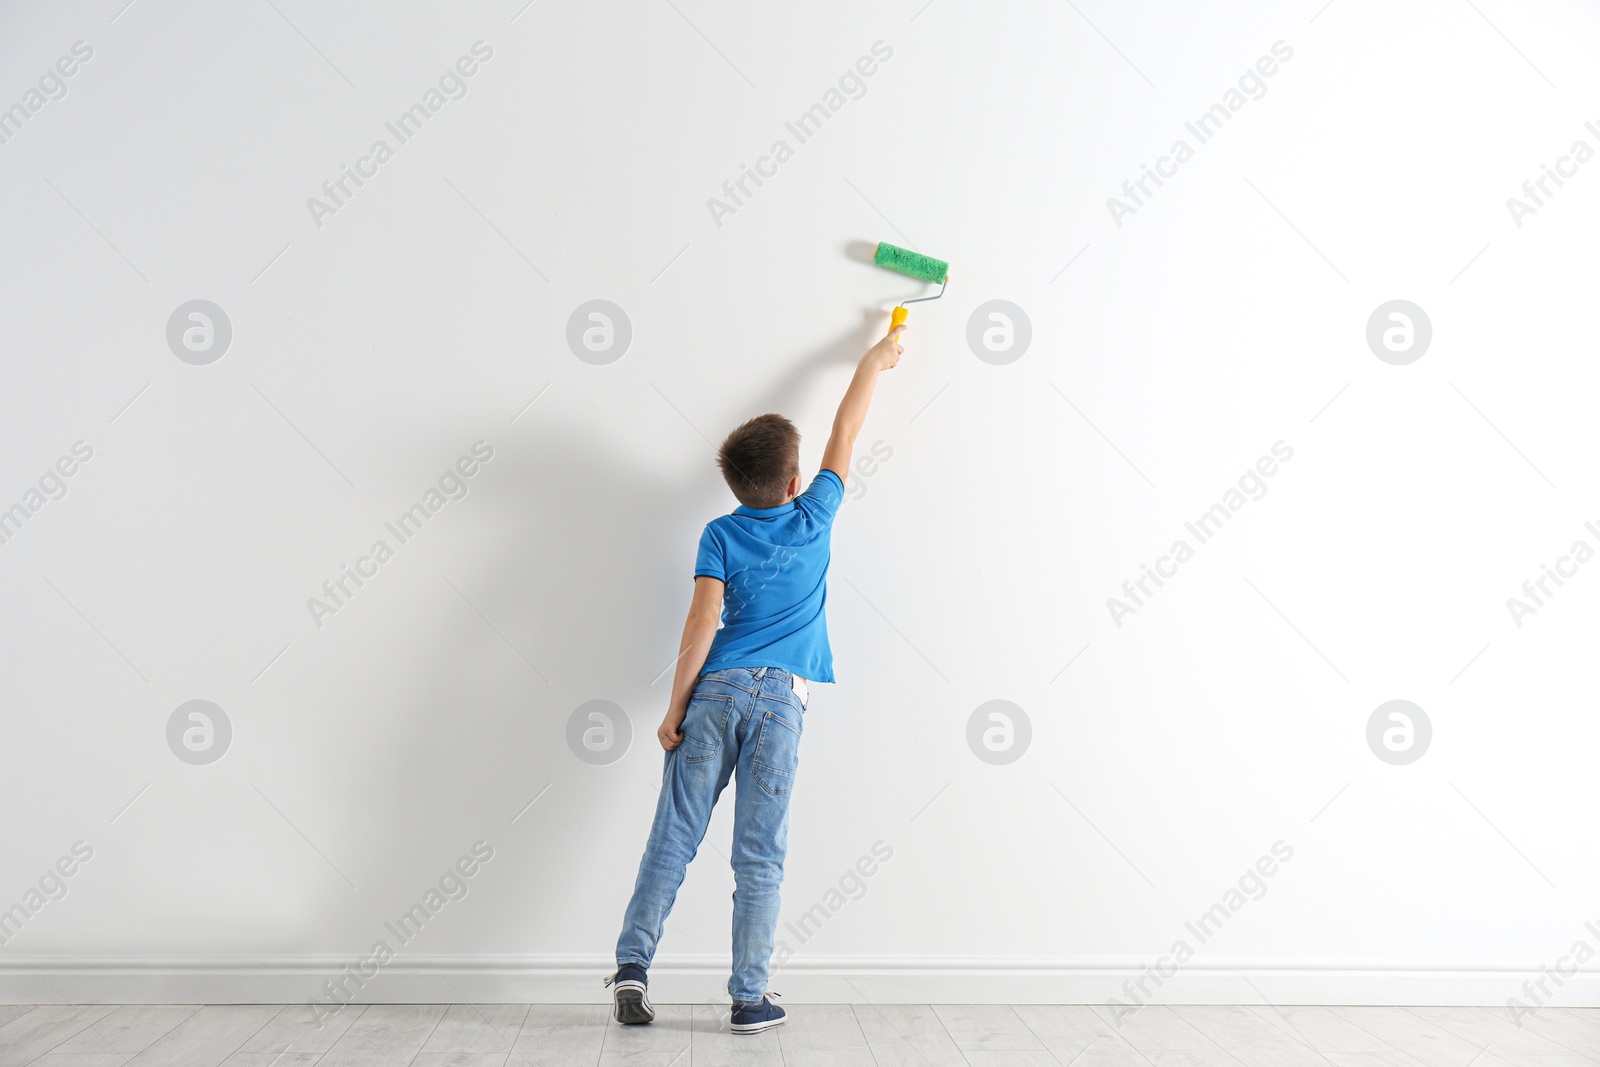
629, 991
753, 1017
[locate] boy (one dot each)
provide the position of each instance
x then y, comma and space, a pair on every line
739, 694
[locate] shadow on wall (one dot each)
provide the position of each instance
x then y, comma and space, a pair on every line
560, 555
800, 385
581, 561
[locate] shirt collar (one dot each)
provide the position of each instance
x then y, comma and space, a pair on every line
764, 513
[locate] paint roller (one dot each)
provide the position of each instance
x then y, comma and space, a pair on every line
916, 265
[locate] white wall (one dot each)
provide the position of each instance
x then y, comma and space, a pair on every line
1168, 353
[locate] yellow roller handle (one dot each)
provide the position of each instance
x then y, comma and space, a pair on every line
898, 318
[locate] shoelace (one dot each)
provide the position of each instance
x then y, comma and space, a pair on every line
610, 978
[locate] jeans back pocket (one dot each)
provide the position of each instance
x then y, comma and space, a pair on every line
778, 750
704, 725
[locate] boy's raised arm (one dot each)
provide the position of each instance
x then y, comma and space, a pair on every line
857, 399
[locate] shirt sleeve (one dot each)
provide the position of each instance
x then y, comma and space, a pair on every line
708, 560
822, 497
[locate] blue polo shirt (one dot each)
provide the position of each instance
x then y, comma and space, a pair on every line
774, 565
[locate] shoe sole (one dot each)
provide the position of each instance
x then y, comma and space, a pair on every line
633, 1005
756, 1028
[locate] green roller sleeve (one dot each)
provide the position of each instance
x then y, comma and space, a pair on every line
908, 262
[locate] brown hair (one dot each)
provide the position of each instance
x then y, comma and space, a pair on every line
758, 459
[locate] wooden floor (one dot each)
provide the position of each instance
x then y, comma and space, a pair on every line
832, 1035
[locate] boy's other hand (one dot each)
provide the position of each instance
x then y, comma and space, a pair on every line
670, 733
886, 353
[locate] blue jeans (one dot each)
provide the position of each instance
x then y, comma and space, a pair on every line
744, 718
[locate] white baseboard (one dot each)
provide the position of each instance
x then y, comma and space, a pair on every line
872, 980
